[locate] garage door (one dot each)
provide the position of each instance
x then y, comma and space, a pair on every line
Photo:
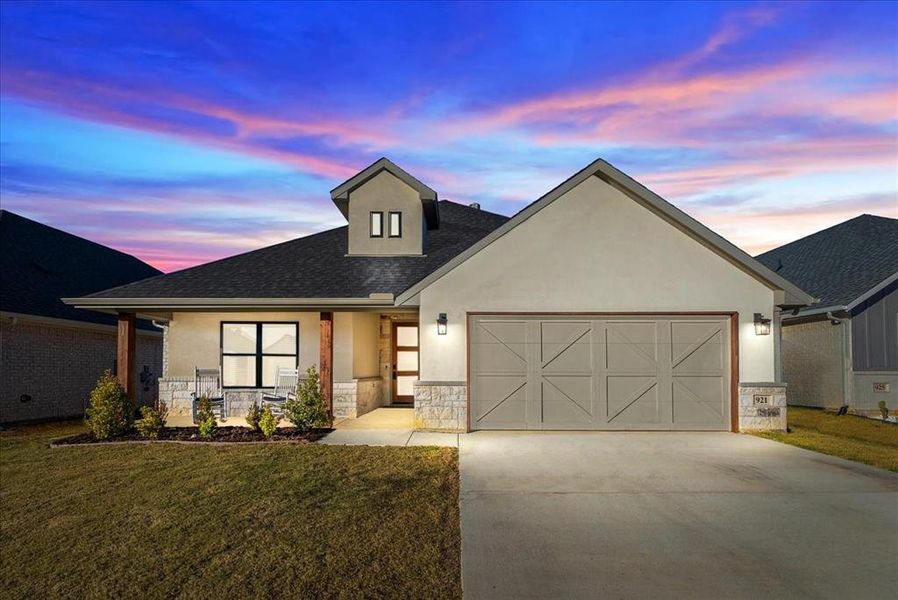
587, 372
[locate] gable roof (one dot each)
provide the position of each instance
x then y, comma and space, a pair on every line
639, 193
40, 264
311, 267
843, 264
340, 194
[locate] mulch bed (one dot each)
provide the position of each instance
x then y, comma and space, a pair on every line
223, 435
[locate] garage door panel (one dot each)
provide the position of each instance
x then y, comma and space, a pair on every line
567, 400
698, 400
565, 347
697, 347
503, 347
588, 372
631, 347
503, 401
632, 400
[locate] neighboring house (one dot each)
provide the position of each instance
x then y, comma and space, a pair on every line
843, 351
51, 355
599, 306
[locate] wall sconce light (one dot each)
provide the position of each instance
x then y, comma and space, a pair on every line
762, 325
442, 324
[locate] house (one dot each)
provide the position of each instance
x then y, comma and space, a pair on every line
51, 354
843, 351
598, 306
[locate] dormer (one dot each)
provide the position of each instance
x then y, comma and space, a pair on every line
388, 210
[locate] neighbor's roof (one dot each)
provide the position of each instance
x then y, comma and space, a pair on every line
841, 264
317, 266
40, 264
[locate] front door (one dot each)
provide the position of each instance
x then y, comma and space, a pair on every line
405, 361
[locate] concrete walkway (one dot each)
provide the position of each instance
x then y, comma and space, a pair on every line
665, 515
386, 427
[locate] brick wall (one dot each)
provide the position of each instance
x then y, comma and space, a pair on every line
812, 363
58, 366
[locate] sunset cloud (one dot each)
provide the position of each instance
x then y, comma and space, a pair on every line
172, 142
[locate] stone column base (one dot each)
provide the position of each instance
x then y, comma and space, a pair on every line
762, 406
356, 397
441, 406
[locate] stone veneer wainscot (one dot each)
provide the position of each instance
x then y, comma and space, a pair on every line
441, 405
770, 416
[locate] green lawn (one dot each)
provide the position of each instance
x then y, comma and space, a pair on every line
855, 438
166, 520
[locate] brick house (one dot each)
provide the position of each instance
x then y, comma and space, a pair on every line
51, 354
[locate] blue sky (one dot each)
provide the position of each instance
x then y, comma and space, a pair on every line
184, 132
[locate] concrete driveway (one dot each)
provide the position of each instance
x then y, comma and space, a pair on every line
649, 515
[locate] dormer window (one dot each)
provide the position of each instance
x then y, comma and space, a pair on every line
377, 224
395, 224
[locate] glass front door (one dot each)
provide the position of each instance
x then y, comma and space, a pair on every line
405, 362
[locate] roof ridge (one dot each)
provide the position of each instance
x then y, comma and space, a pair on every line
825, 230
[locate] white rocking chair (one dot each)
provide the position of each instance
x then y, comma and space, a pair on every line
284, 389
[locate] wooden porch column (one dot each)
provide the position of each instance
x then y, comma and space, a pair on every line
126, 344
326, 360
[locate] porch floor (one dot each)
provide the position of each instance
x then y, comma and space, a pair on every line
380, 418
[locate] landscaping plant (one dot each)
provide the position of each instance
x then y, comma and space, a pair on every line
268, 422
253, 416
884, 410
111, 412
205, 418
306, 411
150, 424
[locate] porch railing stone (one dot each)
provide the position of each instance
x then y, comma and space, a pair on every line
356, 397
441, 406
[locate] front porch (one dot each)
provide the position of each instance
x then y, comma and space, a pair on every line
367, 361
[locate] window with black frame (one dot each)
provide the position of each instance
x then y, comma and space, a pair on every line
252, 352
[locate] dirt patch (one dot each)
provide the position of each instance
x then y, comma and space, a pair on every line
223, 435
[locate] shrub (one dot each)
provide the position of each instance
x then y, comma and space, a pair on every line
205, 418
207, 427
162, 411
151, 423
306, 410
111, 412
884, 409
268, 422
253, 415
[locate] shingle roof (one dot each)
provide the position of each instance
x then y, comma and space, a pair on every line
842, 262
40, 264
317, 266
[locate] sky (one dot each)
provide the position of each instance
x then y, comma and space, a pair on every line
186, 132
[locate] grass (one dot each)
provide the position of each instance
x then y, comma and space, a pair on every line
854, 438
167, 520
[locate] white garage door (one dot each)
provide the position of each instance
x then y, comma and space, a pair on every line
587, 372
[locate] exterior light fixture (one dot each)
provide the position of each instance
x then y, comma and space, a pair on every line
442, 324
762, 325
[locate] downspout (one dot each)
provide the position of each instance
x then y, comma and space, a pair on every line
778, 344
845, 355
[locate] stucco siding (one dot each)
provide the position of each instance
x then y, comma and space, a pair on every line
58, 366
365, 340
385, 192
592, 250
194, 339
813, 367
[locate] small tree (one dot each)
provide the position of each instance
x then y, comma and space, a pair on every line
884, 410
253, 415
205, 418
111, 412
268, 422
307, 410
